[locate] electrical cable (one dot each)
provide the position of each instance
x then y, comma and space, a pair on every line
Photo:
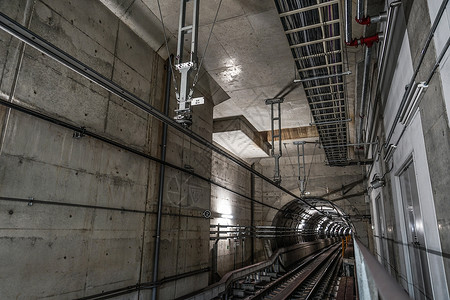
127, 148
310, 165
290, 162
167, 47
206, 47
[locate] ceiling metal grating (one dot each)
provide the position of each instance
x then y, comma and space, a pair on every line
313, 30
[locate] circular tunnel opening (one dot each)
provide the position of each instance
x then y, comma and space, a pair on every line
298, 222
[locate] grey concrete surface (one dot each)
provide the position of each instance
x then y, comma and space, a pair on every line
63, 252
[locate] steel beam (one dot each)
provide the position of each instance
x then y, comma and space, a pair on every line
320, 66
312, 7
303, 28
328, 39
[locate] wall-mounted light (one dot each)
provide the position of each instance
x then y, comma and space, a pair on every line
227, 216
377, 182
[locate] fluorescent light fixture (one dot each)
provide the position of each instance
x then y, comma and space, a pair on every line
412, 101
227, 216
377, 182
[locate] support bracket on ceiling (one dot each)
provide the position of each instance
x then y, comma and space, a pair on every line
186, 65
301, 166
276, 120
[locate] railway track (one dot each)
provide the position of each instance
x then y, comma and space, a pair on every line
312, 279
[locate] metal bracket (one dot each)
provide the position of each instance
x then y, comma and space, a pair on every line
183, 113
276, 154
79, 134
301, 166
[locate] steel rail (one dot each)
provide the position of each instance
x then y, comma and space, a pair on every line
315, 275
14, 28
309, 266
330, 268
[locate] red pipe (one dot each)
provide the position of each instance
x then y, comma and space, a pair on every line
368, 41
363, 21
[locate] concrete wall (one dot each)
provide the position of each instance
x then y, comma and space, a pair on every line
59, 251
426, 142
234, 253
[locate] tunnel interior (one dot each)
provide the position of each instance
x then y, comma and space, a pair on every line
316, 220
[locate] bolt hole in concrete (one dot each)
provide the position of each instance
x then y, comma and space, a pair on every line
70, 216
10, 212
65, 257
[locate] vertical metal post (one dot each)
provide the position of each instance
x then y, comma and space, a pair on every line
252, 215
161, 180
183, 112
276, 153
301, 166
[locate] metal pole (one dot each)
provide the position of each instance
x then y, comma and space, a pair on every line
365, 88
348, 21
323, 77
252, 215
416, 71
162, 170
14, 28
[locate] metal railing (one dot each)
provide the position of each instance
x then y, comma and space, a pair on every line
374, 282
220, 232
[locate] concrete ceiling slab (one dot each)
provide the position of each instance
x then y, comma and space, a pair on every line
239, 144
237, 135
248, 56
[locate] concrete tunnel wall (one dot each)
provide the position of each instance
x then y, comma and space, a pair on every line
77, 251
71, 252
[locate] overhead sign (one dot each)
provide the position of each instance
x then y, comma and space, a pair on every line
197, 101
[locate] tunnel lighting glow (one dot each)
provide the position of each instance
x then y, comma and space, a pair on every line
325, 208
227, 216
307, 193
224, 206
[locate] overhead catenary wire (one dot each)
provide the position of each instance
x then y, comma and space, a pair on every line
206, 47
310, 165
96, 136
16, 29
166, 43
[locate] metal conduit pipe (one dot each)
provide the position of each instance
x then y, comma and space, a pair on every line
384, 53
162, 170
365, 87
348, 21
360, 10
360, 19
14, 28
85, 132
416, 71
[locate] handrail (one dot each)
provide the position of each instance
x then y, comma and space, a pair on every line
387, 287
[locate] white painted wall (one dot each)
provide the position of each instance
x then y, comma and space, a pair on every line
413, 144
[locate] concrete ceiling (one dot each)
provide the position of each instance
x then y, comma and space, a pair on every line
248, 56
